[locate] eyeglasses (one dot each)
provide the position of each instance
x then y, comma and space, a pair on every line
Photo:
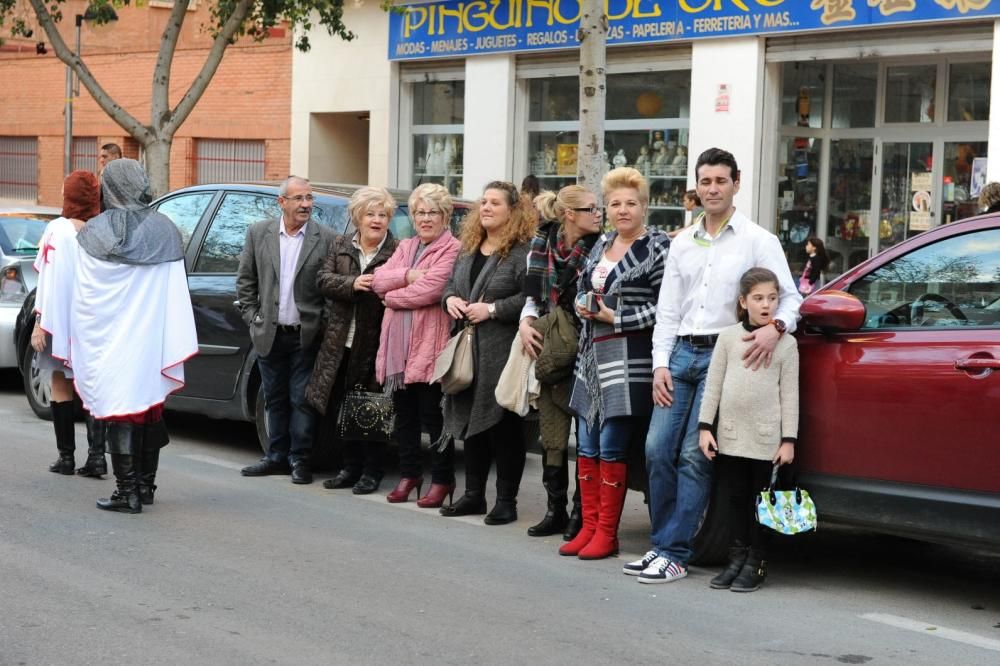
299, 198
426, 213
593, 210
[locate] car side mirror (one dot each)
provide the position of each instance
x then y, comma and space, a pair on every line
833, 311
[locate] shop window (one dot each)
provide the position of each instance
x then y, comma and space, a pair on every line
229, 161
850, 202
798, 196
909, 93
803, 89
855, 89
438, 133
554, 99
964, 176
646, 128
969, 91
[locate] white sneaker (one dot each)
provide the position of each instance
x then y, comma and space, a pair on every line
637, 567
662, 570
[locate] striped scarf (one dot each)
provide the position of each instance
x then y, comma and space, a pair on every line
553, 267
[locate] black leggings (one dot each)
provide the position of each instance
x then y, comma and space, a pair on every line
504, 442
740, 479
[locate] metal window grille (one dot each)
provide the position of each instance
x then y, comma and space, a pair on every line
84, 153
19, 168
228, 160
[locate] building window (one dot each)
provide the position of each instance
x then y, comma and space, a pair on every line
437, 133
646, 128
19, 168
228, 161
84, 153
867, 156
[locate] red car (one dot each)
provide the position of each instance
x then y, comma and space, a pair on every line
900, 389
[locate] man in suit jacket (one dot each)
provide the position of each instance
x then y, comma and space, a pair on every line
276, 287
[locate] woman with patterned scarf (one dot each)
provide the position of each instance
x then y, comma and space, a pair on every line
557, 254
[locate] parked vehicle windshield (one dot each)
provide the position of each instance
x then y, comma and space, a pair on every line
21, 234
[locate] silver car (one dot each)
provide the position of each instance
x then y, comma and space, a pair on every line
21, 229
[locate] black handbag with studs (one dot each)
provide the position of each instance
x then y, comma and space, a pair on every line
366, 416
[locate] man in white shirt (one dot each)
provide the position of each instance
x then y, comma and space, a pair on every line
281, 305
697, 300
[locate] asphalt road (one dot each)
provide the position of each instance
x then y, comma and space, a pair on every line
230, 570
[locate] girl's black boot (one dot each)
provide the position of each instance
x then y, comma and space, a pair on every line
737, 558
753, 573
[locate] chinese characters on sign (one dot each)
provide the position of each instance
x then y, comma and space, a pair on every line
449, 28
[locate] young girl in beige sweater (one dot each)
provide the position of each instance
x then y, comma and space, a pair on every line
758, 421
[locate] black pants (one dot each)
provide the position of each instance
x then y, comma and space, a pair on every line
740, 479
505, 444
418, 406
359, 457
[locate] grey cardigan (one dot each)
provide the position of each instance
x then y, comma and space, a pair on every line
501, 281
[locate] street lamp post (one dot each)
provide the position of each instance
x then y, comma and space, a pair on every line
68, 140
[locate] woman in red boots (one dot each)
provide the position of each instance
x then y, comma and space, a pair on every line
612, 392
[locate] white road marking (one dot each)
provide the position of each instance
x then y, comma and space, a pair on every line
212, 460
931, 629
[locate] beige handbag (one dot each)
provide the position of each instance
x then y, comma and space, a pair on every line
455, 366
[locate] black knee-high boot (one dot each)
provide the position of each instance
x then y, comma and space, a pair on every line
555, 479
62, 423
97, 464
477, 468
154, 438
575, 521
125, 445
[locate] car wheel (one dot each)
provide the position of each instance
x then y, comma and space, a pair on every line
711, 543
36, 387
260, 419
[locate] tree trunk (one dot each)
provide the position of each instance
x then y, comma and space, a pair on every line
593, 38
157, 162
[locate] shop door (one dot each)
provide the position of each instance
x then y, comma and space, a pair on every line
906, 193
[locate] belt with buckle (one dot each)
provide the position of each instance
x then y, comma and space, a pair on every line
289, 328
700, 340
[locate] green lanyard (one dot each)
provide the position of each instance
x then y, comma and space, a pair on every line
701, 220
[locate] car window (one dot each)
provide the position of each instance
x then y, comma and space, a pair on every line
185, 211
220, 253
401, 226
954, 282
21, 235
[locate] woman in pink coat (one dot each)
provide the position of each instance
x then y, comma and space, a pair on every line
414, 330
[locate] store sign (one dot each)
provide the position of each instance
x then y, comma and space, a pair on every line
450, 28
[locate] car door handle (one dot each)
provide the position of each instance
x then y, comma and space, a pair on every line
978, 364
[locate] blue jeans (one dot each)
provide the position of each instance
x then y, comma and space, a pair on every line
680, 476
609, 442
285, 373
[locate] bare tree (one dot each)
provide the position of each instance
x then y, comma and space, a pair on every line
593, 38
231, 19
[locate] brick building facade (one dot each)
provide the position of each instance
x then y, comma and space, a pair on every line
239, 129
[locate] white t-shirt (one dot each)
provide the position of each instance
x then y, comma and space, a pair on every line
600, 274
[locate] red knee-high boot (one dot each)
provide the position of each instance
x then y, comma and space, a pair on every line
589, 472
613, 489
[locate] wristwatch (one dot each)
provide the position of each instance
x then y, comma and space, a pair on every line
778, 324
492, 309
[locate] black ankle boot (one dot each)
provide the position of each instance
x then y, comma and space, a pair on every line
505, 510
472, 503
737, 558
62, 423
575, 521
126, 498
97, 464
752, 574
555, 479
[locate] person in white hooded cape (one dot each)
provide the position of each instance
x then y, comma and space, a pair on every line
132, 326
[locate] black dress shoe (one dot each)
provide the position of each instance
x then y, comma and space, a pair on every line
366, 485
301, 473
344, 479
265, 467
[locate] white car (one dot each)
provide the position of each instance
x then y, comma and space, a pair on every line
21, 229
